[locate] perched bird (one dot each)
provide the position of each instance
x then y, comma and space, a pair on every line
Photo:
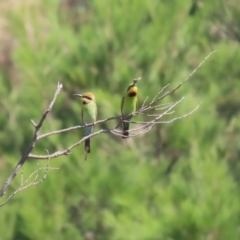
128, 105
89, 115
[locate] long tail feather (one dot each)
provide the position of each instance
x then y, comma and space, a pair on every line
88, 131
125, 130
87, 145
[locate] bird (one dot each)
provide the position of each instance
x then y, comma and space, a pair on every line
128, 106
89, 115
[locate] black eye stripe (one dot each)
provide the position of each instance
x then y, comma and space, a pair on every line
87, 97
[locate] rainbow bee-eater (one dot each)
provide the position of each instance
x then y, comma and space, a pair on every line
89, 115
129, 105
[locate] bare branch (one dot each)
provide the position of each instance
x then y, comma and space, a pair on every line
77, 127
147, 109
35, 181
144, 102
171, 120
68, 150
32, 143
144, 107
186, 79
33, 123
146, 126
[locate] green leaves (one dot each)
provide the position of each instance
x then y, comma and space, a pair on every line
180, 180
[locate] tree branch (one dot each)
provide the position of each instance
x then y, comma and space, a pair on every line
35, 181
146, 126
161, 110
32, 143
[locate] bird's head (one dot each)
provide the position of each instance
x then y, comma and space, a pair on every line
86, 97
132, 88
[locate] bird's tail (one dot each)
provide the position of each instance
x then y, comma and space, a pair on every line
125, 130
87, 145
88, 131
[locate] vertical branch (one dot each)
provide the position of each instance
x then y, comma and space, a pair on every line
32, 143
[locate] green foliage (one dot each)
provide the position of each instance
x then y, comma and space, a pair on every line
179, 181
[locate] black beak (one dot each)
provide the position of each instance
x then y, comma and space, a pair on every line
136, 80
78, 95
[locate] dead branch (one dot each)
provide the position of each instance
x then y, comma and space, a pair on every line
160, 110
32, 143
25, 184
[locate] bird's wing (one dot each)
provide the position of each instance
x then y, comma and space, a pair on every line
122, 102
96, 113
82, 116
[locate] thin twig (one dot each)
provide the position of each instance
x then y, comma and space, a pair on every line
32, 143
24, 184
76, 127
145, 127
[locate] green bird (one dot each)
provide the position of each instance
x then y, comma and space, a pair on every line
89, 115
129, 105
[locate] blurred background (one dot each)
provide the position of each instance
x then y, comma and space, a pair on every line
179, 181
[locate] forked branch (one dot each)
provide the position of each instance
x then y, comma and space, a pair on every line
32, 143
152, 110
